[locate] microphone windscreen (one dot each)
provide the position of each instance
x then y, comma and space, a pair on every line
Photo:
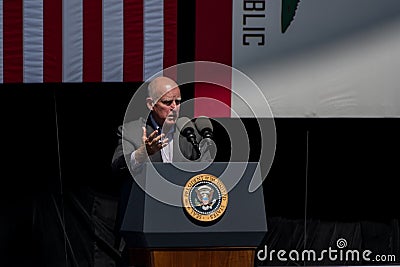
184, 124
203, 123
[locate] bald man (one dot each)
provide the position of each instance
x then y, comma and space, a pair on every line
154, 138
151, 139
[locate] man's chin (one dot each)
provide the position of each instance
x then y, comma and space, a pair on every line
170, 121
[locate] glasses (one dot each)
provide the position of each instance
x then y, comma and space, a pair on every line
169, 102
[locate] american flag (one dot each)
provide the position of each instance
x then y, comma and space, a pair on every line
108, 41
86, 40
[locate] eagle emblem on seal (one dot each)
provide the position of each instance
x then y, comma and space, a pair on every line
205, 198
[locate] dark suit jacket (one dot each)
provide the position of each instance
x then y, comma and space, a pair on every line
130, 138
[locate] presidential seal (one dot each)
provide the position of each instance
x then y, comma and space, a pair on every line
205, 198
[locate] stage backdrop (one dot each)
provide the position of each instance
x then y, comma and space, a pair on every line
314, 58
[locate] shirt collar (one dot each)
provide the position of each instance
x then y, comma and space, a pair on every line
156, 126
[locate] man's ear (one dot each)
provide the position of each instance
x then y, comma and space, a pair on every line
149, 103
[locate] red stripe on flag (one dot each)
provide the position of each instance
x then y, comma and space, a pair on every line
52, 40
170, 37
133, 40
214, 43
92, 41
12, 41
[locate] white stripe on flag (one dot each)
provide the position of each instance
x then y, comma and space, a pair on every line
153, 27
33, 41
113, 41
1, 42
72, 40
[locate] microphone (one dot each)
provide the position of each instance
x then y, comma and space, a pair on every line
207, 146
204, 126
187, 129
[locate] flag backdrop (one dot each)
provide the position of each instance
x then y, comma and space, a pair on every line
86, 41
310, 58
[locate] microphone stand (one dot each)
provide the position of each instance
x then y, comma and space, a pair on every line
196, 148
192, 139
207, 145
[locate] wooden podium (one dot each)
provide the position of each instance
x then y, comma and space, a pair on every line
200, 257
160, 234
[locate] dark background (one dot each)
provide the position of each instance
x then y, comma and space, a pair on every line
331, 175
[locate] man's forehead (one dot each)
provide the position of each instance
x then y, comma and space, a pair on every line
173, 92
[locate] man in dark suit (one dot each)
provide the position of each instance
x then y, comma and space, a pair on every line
154, 138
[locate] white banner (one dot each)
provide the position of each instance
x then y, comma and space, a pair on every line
336, 59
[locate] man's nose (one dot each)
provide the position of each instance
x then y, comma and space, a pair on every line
173, 105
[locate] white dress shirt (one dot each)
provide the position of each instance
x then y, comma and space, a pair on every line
167, 152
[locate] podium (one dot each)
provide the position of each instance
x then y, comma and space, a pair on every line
165, 234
